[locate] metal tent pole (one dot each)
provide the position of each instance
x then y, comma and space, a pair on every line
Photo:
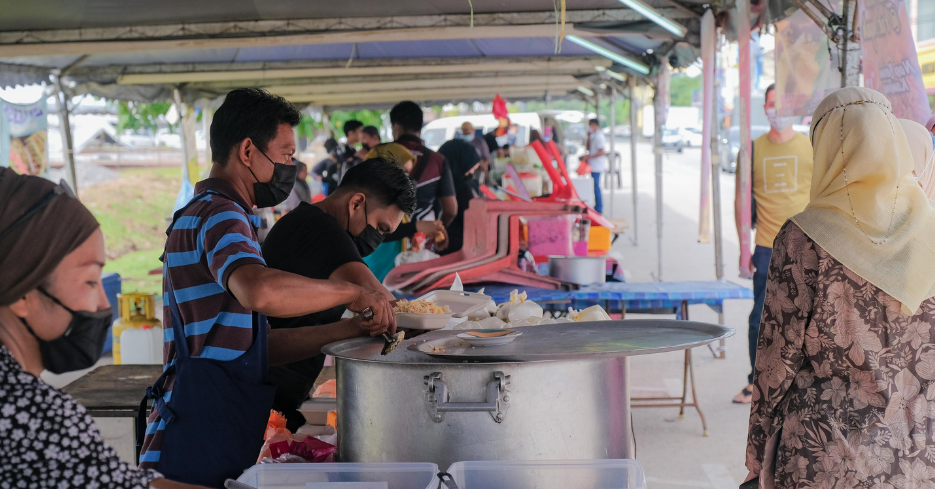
631, 82
613, 153
716, 176
743, 39
189, 148
711, 152
207, 117
68, 145
659, 117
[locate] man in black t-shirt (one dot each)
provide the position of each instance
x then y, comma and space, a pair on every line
326, 241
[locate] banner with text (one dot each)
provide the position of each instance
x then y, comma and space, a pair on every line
890, 64
23, 137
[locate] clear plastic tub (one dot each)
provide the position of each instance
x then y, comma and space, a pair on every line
549, 474
377, 476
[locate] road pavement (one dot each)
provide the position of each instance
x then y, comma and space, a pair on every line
673, 451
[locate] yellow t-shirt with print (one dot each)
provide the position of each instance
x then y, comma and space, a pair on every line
782, 181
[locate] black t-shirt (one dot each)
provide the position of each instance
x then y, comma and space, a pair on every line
308, 242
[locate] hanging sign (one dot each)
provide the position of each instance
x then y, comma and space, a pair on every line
23, 137
806, 67
890, 64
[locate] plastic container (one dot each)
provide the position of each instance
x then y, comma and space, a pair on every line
316, 410
317, 476
532, 182
462, 304
600, 239
136, 311
141, 346
551, 235
427, 322
549, 474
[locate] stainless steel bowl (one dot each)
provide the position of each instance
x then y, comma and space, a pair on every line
582, 270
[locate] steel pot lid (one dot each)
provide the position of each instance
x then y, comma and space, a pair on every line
565, 341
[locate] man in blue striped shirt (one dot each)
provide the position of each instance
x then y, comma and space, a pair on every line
214, 268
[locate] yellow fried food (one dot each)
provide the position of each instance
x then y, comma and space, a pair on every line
420, 307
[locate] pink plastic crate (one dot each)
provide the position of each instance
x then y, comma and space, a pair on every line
551, 235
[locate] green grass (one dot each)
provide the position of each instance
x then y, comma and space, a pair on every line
134, 270
132, 211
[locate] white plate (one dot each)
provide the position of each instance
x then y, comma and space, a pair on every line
492, 341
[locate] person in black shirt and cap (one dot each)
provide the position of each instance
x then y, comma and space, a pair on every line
464, 161
369, 137
326, 241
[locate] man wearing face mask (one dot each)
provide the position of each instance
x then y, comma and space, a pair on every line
326, 241
211, 405
468, 134
782, 176
54, 316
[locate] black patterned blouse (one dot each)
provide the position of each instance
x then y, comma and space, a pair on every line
47, 440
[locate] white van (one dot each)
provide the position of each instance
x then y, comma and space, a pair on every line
435, 133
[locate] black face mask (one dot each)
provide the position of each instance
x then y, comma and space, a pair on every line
277, 190
81, 345
369, 238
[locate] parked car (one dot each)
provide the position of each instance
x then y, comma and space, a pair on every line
693, 137
673, 138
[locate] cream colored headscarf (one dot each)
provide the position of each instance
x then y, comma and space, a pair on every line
923, 155
866, 210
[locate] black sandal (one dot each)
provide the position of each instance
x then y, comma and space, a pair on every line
747, 393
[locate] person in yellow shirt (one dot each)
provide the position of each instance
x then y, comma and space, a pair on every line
781, 182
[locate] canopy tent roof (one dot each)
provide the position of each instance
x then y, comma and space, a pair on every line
357, 52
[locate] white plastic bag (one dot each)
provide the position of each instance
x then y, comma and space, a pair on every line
487, 323
491, 306
415, 257
593, 313
518, 308
530, 321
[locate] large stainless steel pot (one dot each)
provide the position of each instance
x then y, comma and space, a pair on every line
557, 392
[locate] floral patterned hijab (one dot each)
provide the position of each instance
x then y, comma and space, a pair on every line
866, 209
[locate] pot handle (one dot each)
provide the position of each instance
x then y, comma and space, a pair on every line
438, 397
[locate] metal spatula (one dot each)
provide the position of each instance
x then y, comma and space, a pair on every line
391, 341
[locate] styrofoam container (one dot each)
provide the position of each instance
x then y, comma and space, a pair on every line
549, 474
316, 410
412, 320
461, 303
376, 475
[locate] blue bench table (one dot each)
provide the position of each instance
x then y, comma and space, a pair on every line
646, 298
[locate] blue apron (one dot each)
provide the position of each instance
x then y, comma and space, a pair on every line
219, 409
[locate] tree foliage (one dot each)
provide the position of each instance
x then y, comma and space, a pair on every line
681, 89
140, 115
367, 117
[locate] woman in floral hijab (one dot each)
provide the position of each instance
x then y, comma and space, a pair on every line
845, 373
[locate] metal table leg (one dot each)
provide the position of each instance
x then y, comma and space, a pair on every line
688, 378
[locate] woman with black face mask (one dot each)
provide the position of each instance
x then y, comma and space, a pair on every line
54, 316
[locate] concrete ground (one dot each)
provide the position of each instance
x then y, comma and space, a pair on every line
673, 452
